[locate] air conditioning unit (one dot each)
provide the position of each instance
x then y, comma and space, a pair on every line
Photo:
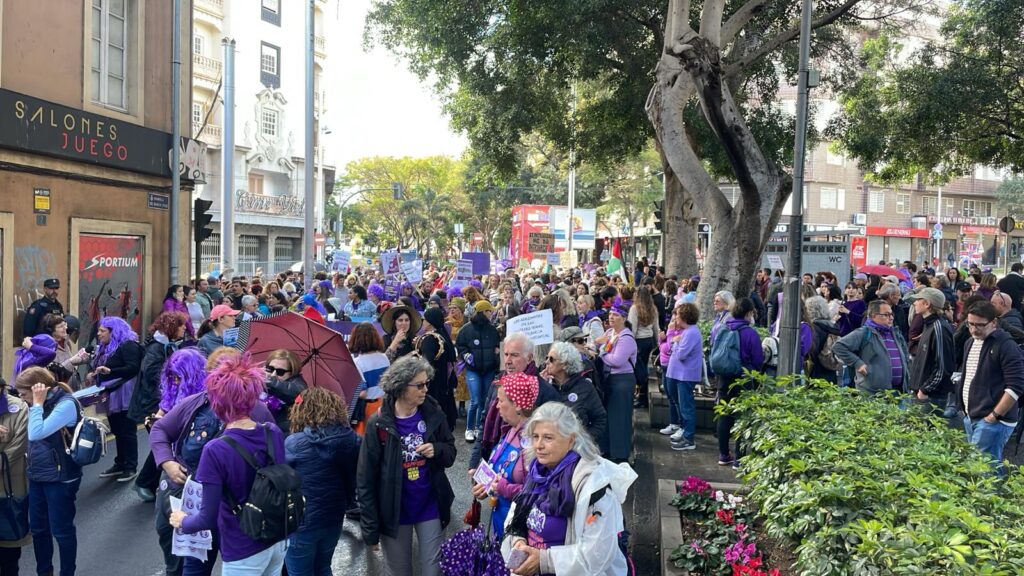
860, 219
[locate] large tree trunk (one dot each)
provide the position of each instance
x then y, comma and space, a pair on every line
679, 225
691, 68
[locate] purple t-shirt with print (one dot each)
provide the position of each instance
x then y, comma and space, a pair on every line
545, 531
220, 468
418, 502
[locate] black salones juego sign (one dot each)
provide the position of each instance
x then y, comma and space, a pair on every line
35, 125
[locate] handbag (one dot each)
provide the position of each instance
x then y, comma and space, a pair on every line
13, 510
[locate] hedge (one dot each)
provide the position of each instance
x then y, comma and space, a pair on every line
861, 487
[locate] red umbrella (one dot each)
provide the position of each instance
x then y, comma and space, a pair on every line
880, 270
325, 359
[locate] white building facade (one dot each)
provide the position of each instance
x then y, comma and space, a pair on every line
269, 124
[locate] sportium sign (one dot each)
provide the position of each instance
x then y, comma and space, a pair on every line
35, 125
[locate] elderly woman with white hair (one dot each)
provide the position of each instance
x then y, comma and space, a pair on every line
564, 369
401, 483
567, 517
723, 302
824, 332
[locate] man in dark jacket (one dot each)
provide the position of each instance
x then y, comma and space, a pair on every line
1013, 284
477, 344
1010, 318
991, 384
933, 365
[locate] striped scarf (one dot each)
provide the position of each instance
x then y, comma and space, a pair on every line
895, 359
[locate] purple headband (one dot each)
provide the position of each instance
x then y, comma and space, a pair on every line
620, 307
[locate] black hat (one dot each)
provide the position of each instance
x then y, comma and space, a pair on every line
963, 287
51, 283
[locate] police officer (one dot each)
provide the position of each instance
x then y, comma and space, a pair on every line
48, 304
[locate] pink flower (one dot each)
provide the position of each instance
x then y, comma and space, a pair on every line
695, 485
697, 547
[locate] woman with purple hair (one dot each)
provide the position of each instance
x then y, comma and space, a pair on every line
183, 375
115, 368
234, 389
406, 290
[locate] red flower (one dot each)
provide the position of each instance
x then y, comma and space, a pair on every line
725, 516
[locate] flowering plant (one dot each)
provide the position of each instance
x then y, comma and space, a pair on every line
725, 544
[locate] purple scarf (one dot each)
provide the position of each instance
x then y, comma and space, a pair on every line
588, 317
551, 490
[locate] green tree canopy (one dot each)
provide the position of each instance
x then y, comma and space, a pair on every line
956, 102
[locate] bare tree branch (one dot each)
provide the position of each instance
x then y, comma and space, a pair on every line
787, 36
711, 21
739, 19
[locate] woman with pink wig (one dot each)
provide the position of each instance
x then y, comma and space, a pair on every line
234, 389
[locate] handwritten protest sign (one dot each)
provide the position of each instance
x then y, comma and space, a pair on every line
538, 326
413, 271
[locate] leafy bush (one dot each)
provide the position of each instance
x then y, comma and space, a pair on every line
862, 487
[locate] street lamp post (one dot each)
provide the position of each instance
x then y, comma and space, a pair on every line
458, 234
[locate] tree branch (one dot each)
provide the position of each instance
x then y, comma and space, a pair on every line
740, 18
786, 36
711, 21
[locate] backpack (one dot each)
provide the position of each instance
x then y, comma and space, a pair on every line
275, 506
725, 353
826, 358
770, 348
623, 537
88, 443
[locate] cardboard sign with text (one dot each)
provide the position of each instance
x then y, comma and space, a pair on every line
537, 325
413, 271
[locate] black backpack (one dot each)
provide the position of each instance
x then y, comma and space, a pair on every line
275, 506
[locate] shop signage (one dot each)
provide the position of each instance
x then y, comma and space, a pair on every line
41, 200
35, 125
858, 251
897, 231
266, 204
984, 230
965, 220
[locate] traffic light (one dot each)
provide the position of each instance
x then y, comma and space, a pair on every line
201, 219
657, 215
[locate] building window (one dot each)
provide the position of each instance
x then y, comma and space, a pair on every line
991, 173
930, 205
110, 52
983, 209
209, 251
197, 114
833, 158
270, 69
268, 123
902, 203
732, 194
198, 43
248, 248
968, 211
832, 199
270, 11
284, 250
876, 201
256, 183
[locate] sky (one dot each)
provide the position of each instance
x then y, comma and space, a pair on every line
377, 107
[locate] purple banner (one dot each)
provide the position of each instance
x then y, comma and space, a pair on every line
481, 261
345, 328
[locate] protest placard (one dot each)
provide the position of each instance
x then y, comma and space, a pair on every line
340, 261
481, 261
538, 326
389, 263
413, 271
554, 259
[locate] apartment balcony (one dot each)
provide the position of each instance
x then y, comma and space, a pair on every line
320, 47
207, 70
210, 8
211, 135
317, 97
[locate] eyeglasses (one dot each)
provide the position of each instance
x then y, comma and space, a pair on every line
549, 359
979, 325
578, 340
885, 315
419, 385
279, 371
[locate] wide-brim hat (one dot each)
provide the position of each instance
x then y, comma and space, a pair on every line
387, 320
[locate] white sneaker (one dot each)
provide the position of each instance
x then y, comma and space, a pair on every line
677, 436
470, 436
669, 430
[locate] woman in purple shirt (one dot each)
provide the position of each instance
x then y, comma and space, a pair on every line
684, 370
618, 353
401, 483
233, 389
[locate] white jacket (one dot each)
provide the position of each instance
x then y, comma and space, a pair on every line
590, 549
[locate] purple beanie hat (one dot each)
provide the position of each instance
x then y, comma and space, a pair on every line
376, 290
41, 353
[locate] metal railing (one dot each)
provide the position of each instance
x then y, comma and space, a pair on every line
211, 133
212, 7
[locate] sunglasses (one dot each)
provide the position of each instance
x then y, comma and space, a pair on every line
549, 359
278, 371
420, 386
578, 340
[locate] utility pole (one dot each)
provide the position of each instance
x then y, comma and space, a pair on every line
227, 205
310, 153
175, 221
789, 335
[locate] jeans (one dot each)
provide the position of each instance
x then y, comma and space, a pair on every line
51, 516
990, 439
310, 551
479, 386
687, 407
266, 563
126, 438
398, 551
642, 369
671, 391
